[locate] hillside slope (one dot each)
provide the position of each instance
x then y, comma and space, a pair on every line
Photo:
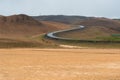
94, 28
23, 26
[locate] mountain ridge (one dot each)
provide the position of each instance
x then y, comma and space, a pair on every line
61, 18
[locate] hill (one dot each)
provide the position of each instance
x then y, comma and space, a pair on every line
61, 18
23, 26
104, 22
95, 28
22, 31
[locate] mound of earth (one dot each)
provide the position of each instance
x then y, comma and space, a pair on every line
23, 26
18, 19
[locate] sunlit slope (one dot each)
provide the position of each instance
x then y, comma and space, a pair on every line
97, 28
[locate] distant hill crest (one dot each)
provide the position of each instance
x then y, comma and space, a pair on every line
61, 18
18, 19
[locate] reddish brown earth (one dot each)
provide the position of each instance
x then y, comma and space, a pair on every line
24, 26
103, 22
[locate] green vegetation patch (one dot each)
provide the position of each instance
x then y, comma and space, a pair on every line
115, 37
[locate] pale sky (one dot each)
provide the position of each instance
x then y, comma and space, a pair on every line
99, 8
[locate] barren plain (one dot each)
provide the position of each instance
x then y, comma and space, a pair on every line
60, 64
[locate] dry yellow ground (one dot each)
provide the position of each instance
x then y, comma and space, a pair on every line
59, 64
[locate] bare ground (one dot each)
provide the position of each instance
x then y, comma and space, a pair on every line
59, 64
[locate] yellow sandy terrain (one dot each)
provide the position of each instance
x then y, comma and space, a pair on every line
59, 64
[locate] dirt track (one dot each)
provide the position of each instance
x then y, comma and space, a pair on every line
59, 64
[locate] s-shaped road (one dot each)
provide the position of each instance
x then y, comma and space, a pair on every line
53, 36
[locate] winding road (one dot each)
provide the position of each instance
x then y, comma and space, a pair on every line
52, 34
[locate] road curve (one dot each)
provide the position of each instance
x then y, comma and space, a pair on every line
52, 34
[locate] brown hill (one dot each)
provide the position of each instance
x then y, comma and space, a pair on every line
18, 19
103, 22
94, 28
23, 26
